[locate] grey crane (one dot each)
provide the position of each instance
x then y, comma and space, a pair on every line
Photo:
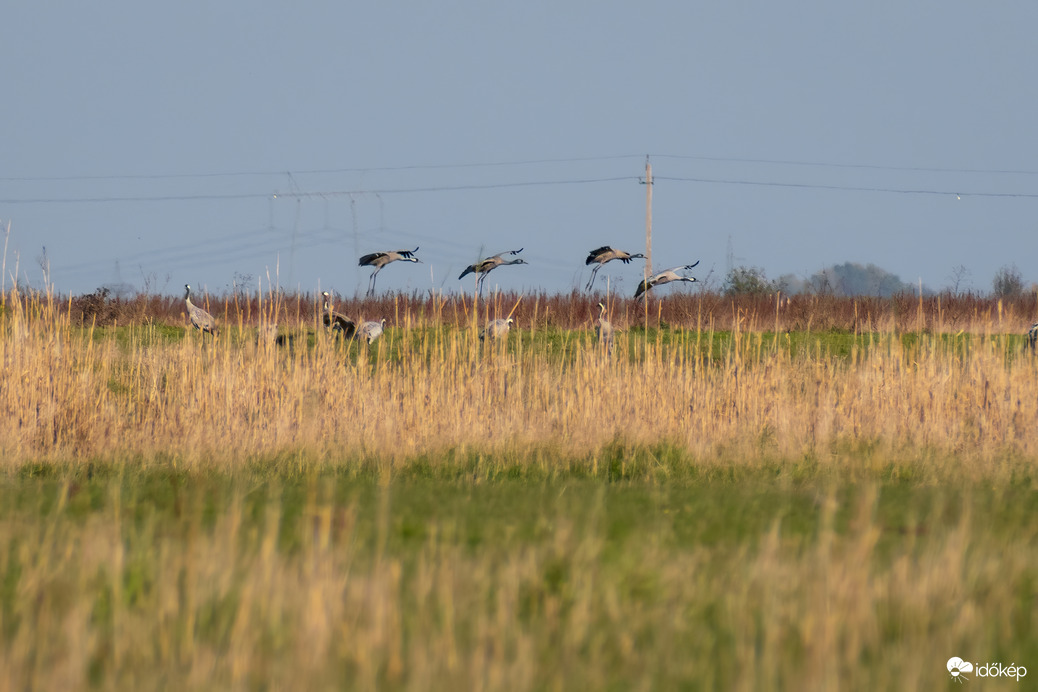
1032, 337
665, 277
378, 260
604, 329
200, 319
485, 266
339, 323
607, 254
496, 329
369, 331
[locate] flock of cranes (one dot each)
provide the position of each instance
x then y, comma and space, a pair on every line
369, 331
339, 324
599, 257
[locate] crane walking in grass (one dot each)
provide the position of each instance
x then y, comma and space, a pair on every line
604, 329
485, 266
340, 324
496, 329
1032, 337
378, 260
607, 254
664, 277
200, 319
369, 331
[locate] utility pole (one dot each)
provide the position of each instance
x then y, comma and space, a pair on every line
648, 239
648, 218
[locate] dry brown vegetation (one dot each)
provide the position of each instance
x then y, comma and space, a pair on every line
903, 312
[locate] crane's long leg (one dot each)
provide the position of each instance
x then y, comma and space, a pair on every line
592, 281
371, 283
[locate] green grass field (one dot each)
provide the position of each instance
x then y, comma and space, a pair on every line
483, 576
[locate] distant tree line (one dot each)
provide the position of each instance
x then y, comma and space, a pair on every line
854, 279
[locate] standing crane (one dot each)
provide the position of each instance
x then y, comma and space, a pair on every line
338, 323
496, 329
380, 259
607, 254
369, 331
664, 277
604, 329
200, 319
1032, 337
485, 266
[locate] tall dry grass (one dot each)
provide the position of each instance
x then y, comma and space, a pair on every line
429, 386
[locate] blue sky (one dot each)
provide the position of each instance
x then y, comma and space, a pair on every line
215, 142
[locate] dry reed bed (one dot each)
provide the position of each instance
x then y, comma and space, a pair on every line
429, 390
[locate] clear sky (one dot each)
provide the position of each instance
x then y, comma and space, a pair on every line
159, 144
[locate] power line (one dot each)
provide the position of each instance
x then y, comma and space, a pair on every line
301, 194
314, 171
509, 163
298, 194
142, 198
221, 250
831, 164
848, 188
453, 188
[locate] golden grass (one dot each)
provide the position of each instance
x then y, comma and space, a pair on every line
425, 389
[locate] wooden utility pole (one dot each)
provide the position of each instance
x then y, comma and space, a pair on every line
648, 218
648, 239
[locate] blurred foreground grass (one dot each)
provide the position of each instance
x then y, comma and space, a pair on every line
484, 576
